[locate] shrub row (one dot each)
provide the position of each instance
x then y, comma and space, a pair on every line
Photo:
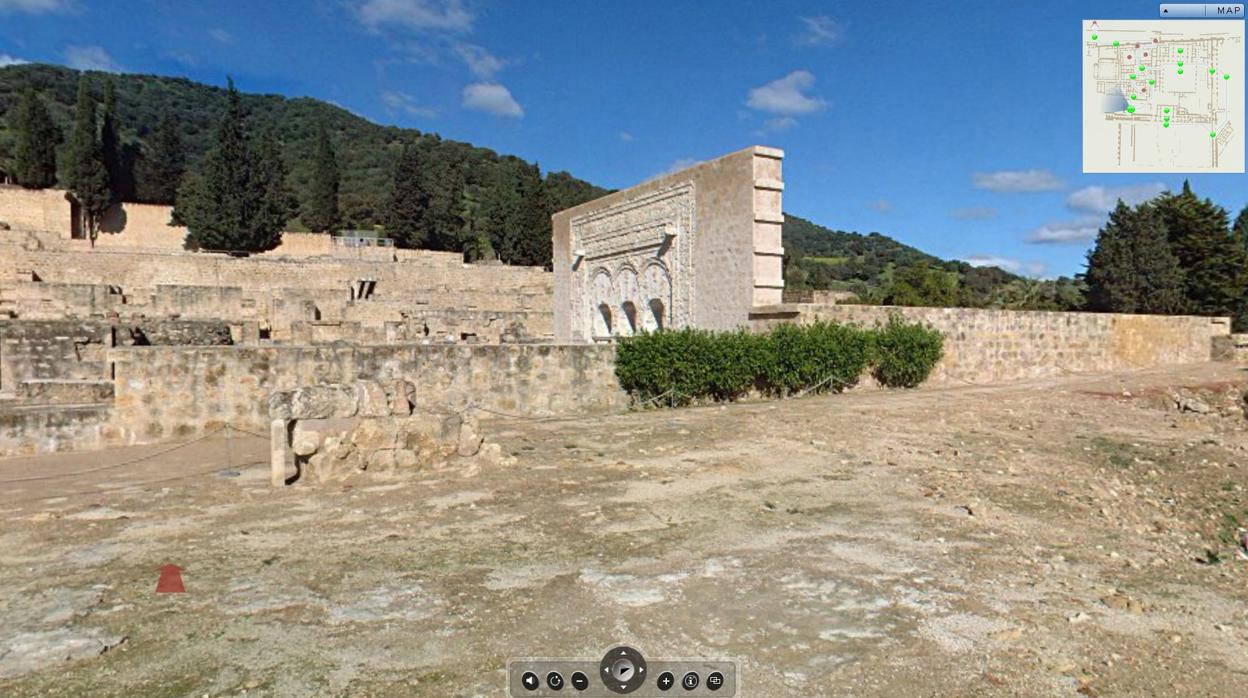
679, 367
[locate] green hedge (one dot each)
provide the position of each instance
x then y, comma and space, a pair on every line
679, 367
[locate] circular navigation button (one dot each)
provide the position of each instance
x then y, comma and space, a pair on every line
690, 681
622, 669
530, 681
580, 681
554, 681
666, 680
714, 681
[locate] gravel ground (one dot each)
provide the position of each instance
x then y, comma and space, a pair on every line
1067, 537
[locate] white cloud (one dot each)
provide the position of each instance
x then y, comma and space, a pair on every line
1098, 199
401, 101
222, 36
90, 58
481, 62
446, 15
7, 60
880, 205
786, 95
819, 31
35, 7
1074, 232
777, 125
626, 136
1017, 181
1007, 263
974, 213
492, 98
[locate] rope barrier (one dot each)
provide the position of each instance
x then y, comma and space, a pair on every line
111, 466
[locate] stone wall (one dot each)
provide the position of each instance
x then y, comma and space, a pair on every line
696, 248
34, 209
26, 431
176, 392
989, 346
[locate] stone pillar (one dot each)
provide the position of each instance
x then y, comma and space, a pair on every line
280, 454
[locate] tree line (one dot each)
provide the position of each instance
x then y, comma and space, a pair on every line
1174, 254
268, 164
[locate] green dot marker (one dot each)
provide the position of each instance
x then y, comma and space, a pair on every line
1166, 124
1213, 134
1166, 110
1152, 82
1132, 96
1094, 37
1115, 43
1130, 110
1226, 76
1141, 69
1180, 50
1212, 71
1133, 77
1180, 64
1180, 71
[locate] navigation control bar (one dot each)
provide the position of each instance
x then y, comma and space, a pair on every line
1202, 11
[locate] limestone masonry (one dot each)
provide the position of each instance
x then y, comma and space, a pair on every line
133, 339
696, 248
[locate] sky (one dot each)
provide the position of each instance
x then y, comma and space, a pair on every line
953, 127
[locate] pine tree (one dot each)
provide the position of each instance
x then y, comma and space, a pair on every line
405, 211
1241, 227
526, 238
34, 155
87, 177
165, 164
443, 221
238, 202
110, 144
500, 209
1160, 283
1214, 262
320, 210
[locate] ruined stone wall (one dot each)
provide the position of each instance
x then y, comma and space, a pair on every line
175, 392
52, 350
34, 209
988, 346
696, 248
28, 431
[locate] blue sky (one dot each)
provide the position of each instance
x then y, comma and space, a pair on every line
954, 127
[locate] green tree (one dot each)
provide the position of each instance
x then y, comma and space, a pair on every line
1131, 268
1214, 262
164, 164
87, 177
1241, 226
320, 209
922, 285
110, 145
274, 204
34, 154
235, 202
409, 201
526, 238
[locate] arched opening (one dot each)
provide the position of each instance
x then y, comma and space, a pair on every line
657, 314
630, 316
602, 321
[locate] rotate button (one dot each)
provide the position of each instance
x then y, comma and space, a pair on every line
554, 681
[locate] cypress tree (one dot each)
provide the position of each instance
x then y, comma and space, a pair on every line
320, 211
1132, 268
443, 221
526, 237
273, 204
110, 144
1214, 262
165, 164
34, 155
87, 177
409, 201
237, 202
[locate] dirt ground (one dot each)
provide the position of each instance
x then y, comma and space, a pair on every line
1056, 538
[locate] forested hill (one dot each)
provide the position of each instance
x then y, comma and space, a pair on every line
366, 151
880, 269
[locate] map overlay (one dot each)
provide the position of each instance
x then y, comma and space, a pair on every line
1163, 96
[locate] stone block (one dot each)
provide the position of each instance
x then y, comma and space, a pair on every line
372, 400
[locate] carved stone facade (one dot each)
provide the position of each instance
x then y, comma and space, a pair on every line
697, 248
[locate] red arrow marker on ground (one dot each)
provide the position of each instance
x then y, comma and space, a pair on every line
170, 580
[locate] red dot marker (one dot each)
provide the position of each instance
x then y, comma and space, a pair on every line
170, 581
